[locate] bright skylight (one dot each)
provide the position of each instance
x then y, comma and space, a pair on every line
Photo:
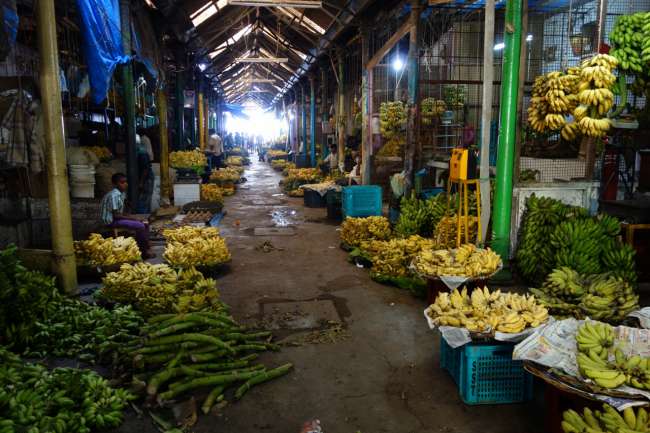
302, 19
206, 11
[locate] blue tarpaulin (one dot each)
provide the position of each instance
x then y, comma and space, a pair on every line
102, 43
9, 28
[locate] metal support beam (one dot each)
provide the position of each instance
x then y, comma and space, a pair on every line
312, 121
165, 183
413, 95
303, 117
340, 114
366, 139
63, 256
324, 109
129, 105
486, 115
507, 129
397, 36
180, 111
201, 121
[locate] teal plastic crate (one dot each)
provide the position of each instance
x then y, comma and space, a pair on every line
486, 374
361, 201
450, 359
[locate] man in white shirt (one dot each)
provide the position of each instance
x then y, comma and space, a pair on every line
214, 149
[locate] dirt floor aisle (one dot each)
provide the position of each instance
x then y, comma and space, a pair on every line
384, 377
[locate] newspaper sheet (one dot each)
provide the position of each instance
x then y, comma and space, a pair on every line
643, 315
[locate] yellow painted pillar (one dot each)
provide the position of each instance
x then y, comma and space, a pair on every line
201, 123
65, 265
165, 184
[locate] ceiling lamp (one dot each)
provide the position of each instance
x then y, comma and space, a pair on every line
262, 59
278, 3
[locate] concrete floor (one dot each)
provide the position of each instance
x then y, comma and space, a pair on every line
384, 378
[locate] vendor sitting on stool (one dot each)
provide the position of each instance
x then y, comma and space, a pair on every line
112, 213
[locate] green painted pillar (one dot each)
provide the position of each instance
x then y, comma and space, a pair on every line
413, 95
325, 150
501, 214
312, 120
366, 137
129, 105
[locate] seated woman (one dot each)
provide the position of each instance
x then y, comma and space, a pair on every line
112, 214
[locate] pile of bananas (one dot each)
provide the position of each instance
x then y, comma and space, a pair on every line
431, 108
600, 360
203, 252
607, 421
225, 175
393, 257
454, 95
279, 164
603, 297
211, 192
187, 233
156, 289
535, 256
297, 177
595, 96
276, 153
483, 311
189, 159
466, 260
446, 230
227, 191
64, 400
287, 168
235, 161
103, 153
630, 39
298, 192
591, 246
393, 146
100, 251
354, 231
392, 119
420, 217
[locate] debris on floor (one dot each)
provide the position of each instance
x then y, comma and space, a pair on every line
267, 247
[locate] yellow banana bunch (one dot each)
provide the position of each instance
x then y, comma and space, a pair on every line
211, 192
431, 108
356, 230
227, 174
485, 311
393, 257
279, 164
276, 153
235, 161
197, 252
446, 230
100, 251
392, 118
187, 159
596, 342
608, 420
570, 131
467, 261
156, 289
594, 127
187, 233
303, 175
103, 153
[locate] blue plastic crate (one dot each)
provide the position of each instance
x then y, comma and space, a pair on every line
488, 375
431, 192
450, 359
361, 201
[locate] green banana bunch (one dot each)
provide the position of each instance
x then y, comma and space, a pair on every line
420, 217
607, 420
64, 400
630, 39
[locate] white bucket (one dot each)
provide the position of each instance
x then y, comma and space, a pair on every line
82, 190
82, 173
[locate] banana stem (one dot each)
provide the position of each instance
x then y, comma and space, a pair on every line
622, 86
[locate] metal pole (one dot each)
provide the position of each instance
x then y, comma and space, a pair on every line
325, 150
165, 185
63, 256
413, 94
366, 142
303, 115
340, 115
312, 121
180, 111
129, 105
507, 129
486, 115
201, 121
